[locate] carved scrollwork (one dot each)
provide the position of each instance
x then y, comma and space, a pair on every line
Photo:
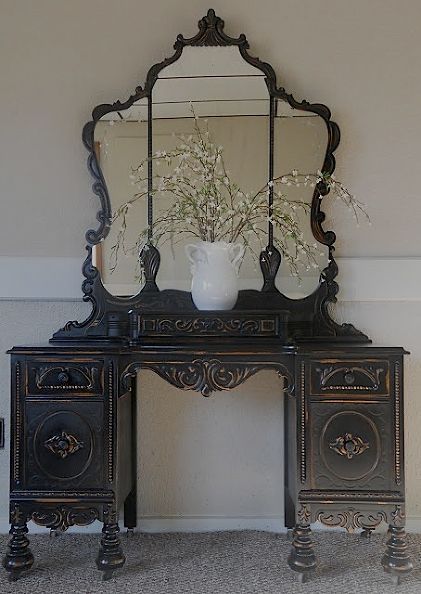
350, 374
397, 516
349, 445
206, 375
60, 518
352, 519
63, 445
304, 514
233, 326
63, 376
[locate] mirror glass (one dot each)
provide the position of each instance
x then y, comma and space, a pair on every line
121, 143
213, 100
210, 95
300, 141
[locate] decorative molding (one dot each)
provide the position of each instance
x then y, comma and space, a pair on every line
110, 437
62, 517
370, 372
206, 375
315, 496
231, 324
397, 517
304, 514
398, 477
302, 412
17, 426
162, 524
351, 519
64, 376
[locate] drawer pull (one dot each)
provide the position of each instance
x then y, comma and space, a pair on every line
349, 445
349, 378
63, 445
63, 377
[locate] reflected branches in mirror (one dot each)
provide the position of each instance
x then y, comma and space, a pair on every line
207, 204
121, 141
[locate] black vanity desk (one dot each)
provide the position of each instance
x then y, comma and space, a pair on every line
73, 437
73, 456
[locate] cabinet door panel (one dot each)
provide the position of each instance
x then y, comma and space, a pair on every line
64, 444
350, 446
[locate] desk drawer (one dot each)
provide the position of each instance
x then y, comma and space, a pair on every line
81, 378
349, 377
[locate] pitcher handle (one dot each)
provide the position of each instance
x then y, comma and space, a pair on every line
196, 255
237, 252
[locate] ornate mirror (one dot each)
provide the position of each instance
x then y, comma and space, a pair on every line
265, 144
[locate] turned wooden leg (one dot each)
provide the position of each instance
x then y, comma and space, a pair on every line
18, 556
302, 558
110, 555
396, 560
130, 510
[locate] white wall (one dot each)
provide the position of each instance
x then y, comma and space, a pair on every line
59, 59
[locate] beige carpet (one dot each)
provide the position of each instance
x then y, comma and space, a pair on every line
212, 563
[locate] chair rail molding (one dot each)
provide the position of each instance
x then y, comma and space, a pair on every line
360, 279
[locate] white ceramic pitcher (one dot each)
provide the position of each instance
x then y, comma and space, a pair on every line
214, 267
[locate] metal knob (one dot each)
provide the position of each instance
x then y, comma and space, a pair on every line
63, 377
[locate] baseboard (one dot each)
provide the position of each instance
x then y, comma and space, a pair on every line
210, 524
203, 524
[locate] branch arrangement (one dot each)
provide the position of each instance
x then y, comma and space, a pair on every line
207, 204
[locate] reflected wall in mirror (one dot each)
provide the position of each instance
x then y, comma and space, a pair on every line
211, 97
300, 143
212, 90
269, 141
121, 143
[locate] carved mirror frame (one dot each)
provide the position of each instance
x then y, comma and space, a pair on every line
115, 318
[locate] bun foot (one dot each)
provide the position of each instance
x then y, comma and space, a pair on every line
110, 555
302, 558
396, 560
19, 557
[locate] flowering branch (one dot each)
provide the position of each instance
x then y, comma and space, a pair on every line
209, 205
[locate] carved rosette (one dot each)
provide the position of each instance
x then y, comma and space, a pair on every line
349, 445
63, 445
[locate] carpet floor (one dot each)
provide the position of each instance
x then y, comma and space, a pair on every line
212, 563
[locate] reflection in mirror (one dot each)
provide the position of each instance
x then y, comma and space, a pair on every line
211, 91
121, 142
214, 91
300, 141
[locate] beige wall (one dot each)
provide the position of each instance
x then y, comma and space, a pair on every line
59, 59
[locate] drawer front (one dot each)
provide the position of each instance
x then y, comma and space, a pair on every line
351, 446
332, 377
64, 445
82, 378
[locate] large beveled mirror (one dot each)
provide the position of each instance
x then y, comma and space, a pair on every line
264, 143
